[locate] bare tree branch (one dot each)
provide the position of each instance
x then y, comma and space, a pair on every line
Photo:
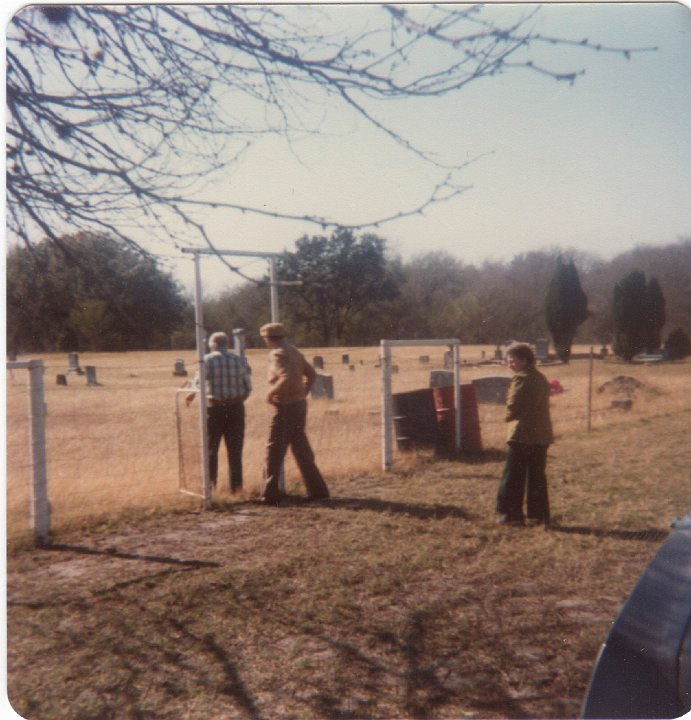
120, 116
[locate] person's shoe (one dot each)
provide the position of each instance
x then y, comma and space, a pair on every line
512, 521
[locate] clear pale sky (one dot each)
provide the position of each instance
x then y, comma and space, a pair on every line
602, 166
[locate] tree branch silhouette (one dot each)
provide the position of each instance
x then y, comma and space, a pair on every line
120, 117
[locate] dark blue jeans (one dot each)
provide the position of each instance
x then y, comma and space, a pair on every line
227, 422
524, 470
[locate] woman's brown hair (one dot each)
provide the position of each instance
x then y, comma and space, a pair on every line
522, 351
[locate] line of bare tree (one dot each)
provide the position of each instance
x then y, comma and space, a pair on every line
354, 293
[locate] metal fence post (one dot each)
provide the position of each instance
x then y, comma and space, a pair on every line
387, 449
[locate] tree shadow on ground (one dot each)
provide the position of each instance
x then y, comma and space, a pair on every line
111, 552
491, 455
423, 512
421, 675
647, 535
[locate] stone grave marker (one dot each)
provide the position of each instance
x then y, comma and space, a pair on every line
91, 375
542, 349
323, 386
73, 364
492, 389
441, 378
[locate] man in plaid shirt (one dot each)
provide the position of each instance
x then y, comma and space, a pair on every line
228, 386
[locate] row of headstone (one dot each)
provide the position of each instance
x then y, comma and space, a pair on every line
61, 379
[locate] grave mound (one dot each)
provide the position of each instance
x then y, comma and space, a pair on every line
626, 386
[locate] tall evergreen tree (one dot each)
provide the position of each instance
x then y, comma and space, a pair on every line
655, 315
566, 307
677, 345
638, 315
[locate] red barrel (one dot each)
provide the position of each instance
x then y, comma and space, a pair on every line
471, 441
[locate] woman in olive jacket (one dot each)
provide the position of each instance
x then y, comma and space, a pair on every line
528, 437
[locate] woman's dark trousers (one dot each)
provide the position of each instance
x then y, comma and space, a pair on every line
524, 469
227, 422
288, 430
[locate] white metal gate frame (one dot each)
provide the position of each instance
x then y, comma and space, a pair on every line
387, 400
201, 343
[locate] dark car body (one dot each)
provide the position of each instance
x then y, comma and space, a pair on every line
644, 666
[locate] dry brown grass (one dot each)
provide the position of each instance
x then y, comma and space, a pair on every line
398, 598
114, 447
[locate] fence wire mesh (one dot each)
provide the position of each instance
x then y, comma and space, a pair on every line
126, 441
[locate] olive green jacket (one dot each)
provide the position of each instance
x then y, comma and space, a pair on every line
527, 409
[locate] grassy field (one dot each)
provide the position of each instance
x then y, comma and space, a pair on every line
399, 598
114, 446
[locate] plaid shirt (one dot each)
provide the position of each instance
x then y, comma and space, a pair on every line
227, 375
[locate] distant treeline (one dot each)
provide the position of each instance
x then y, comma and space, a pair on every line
349, 301
91, 293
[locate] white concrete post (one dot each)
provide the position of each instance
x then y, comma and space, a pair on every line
40, 505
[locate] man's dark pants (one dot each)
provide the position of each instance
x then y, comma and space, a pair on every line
288, 430
227, 422
525, 466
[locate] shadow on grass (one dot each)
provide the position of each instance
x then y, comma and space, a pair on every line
648, 535
108, 552
491, 455
234, 686
423, 512
417, 669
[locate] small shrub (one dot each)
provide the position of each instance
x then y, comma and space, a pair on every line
677, 345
